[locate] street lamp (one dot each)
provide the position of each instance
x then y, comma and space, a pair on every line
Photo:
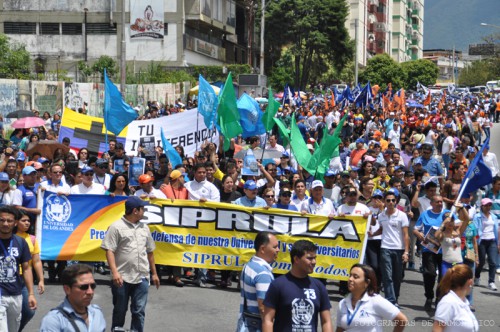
490, 25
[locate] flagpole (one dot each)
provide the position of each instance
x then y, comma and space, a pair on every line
460, 194
197, 121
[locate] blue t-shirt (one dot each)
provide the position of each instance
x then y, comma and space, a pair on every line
14, 252
429, 219
285, 207
297, 303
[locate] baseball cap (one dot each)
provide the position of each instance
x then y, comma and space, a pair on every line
486, 201
37, 165
377, 133
175, 174
21, 156
250, 185
330, 173
394, 191
378, 193
28, 170
101, 161
285, 155
42, 160
360, 140
4, 176
316, 183
145, 178
417, 161
134, 202
87, 169
344, 173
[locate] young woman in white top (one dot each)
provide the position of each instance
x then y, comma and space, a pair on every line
451, 238
453, 313
363, 309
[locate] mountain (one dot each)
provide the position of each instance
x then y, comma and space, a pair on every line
458, 22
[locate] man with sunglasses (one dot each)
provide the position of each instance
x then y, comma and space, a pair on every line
129, 251
79, 286
88, 186
101, 175
395, 245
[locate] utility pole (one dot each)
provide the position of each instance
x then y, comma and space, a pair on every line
356, 24
123, 69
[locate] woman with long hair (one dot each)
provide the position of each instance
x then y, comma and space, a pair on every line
299, 193
118, 185
23, 224
375, 309
83, 156
453, 312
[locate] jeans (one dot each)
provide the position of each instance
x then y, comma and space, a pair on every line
472, 265
242, 327
138, 293
392, 272
26, 313
430, 263
487, 247
10, 312
446, 160
487, 131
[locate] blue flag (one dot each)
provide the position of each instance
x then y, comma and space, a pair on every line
117, 113
173, 155
478, 173
365, 96
207, 102
347, 95
250, 116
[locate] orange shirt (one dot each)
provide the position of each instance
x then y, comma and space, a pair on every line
356, 156
174, 193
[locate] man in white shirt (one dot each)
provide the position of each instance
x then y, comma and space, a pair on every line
100, 173
54, 184
317, 204
88, 186
490, 159
273, 144
395, 135
395, 246
147, 190
200, 189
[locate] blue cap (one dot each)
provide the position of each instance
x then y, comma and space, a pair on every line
285, 154
417, 161
28, 170
377, 192
301, 117
250, 184
134, 202
354, 168
448, 125
419, 145
4, 176
398, 168
487, 146
331, 172
86, 169
394, 191
360, 140
21, 156
42, 160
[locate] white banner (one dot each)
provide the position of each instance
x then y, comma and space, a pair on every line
186, 129
146, 19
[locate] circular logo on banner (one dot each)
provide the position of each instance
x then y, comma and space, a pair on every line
57, 208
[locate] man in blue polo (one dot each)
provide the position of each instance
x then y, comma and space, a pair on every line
25, 196
431, 164
250, 199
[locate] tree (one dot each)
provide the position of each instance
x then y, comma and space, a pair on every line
479, 72
97, 68
281, 73
314, 32
424, 71
382, 69
15, 61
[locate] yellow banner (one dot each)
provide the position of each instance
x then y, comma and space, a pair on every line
201, 235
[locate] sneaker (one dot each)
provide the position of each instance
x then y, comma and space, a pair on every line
428, 305
200, 284
498, 270
492, 286
476, 281
178, 282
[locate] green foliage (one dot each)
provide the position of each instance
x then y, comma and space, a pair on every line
424, 71
313, 31
479, 72
215, 73
281, 73
97, 68
382, 69
155, 73
15, 60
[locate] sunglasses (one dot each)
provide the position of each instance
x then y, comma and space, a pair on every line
377, 197
85, 287
103, 166
286, 194
269, 196
391, 200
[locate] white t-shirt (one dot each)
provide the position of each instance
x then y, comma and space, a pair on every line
371, 313
395, 136
425, 204
105, 181
447, 145
94, 189
324, 208
429, 139
392, 229
49, 186
7, 198
356, 210
155, 193
456, 314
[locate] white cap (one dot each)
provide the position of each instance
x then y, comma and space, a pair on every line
316, 183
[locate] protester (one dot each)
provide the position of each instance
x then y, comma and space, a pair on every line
453, 312
76, 311
129, 251
118, 186
376, 310
294, 292
256, 276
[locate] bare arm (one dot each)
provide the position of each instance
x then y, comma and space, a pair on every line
28, 281
438, 326
37, 265
326, 321
406, 240
414, 201
152, 266
268, 321
401, 322
116, 276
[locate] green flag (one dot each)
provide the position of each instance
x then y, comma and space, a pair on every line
284, 131
228, 116
300, 150
271, 110
329, 149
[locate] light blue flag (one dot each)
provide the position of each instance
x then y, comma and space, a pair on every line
207, 102
250, 116
173, 155
478, 174
117, 113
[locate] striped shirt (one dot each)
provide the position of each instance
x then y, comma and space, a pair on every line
255, 281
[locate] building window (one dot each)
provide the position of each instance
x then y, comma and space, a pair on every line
165, 28
49, 28
100, 29
72, 29
19, 28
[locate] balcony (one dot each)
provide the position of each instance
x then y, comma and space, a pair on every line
371, 27
381, 17
415, 13
380, 27
208, 19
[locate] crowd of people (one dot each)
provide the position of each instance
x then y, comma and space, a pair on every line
402, 169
